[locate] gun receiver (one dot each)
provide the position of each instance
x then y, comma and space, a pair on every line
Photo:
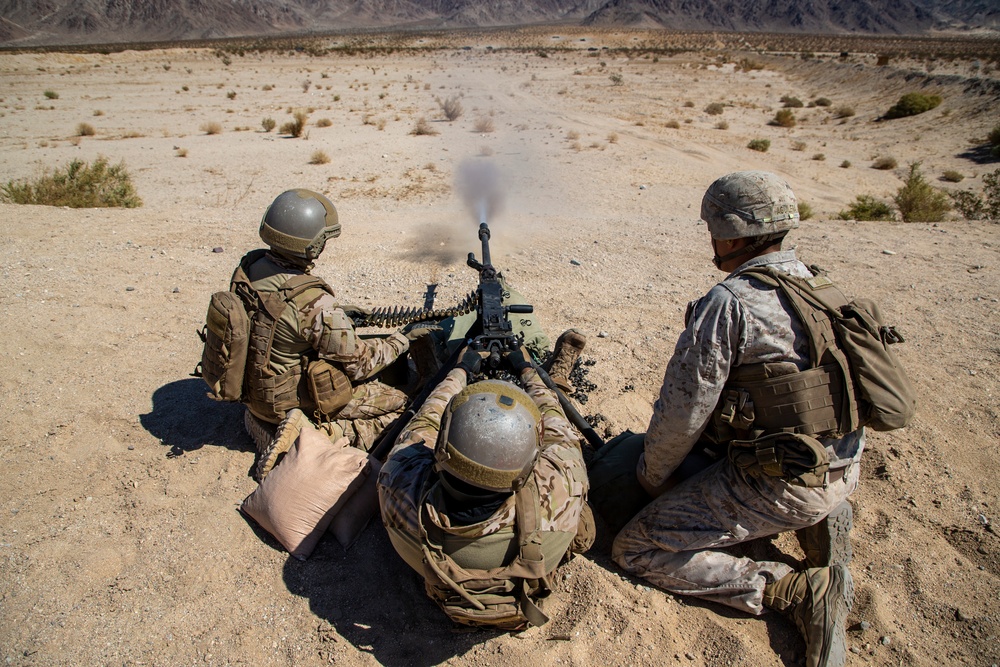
493, 331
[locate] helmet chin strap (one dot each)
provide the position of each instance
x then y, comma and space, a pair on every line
759, 243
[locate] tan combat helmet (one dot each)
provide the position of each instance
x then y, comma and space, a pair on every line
298, 223
489, 436
749, 204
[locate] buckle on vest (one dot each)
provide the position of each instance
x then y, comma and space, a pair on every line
737, 409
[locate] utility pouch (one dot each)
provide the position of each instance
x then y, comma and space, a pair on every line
329, 387
794, 457
226, 335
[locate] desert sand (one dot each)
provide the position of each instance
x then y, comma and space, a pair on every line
120, 539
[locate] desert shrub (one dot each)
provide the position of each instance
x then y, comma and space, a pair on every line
484, 124
805, 211
986, 206
672, 124
422, 128
231, 94
912, 104
572, 135
918, 201
295, 126
98, 112
791, 102
784, 118
211, 128
324, 122
714, 109
51, 94
451, 108
819, 157
78, 185
798, 145
268, 124
846, 164
759, 145
822, 101
994, 139
867, 208
613, 138
266, 87
181, 152
617, 79
689, 104
85, 130
319, 157
885, 163
843, 112
722, 125
952, 176
969, 204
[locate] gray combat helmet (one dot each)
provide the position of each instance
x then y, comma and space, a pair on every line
749, 203
489, 436
298, 223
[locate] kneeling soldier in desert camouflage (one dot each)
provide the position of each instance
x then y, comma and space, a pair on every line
744, 346
484, 493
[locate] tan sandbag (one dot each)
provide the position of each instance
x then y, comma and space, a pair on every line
352, 520
297, 501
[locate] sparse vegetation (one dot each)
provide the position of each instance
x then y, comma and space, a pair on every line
268, 124
822, 101
819, 157
324, 122
715, 108
885, 163
211, 128
484, 125
918, 201
98, 112
912, 104
790, 102
79, 185
980, 207
231, 94
85, 130
994, 139
843, 112
672, 124
51, 94
572, 135
181, 152
759, 145
422, 128
798, 145
613, 138
805, 211
784, 118
451, 108
295, 126
952, 176
617, 79
868, 209
689, 104
846, 164
722, 125
319, 157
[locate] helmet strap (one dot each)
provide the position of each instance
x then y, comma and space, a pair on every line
759, 243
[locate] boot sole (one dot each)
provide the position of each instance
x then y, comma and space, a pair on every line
836, 653
828, 543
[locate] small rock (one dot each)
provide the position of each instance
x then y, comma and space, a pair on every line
176, 290
885, 641
960, 615
689, 656
574, 262
217, 249
855, 650
129, 289
642, 187
131, 447
603, 334
865, 625
888, 252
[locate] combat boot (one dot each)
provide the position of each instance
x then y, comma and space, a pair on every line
569, 345
818, 600
829, 541
286, 434
260, 431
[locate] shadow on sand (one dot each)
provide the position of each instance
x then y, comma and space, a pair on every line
184, 419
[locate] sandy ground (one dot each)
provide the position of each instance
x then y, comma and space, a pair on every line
120, 542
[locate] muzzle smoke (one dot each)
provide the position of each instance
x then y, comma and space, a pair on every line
479, 184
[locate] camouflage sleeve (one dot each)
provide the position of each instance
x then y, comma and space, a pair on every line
693, 382
426, 424
331, 332
555, 427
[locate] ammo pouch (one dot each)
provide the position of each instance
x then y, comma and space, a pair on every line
798, 459
329, 387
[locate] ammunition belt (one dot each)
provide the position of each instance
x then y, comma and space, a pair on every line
395, 316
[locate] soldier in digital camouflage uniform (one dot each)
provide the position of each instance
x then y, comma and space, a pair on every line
310, 325
675, 542
479, 469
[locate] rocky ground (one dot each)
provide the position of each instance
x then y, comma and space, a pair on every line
120, 542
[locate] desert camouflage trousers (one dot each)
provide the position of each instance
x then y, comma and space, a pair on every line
374, 406
674, 541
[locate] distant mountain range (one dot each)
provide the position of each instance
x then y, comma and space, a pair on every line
52, 22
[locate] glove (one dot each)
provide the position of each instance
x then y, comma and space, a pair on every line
354, 311
471, 361
518, 359
417, 331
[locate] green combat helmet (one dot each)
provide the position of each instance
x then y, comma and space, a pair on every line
754, 204
489, 436
298, 223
